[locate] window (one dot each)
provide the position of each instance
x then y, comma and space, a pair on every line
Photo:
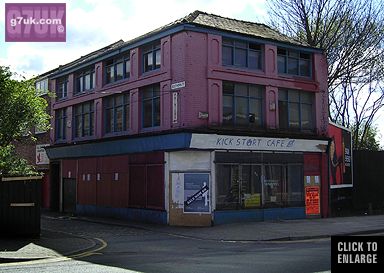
83, 119
293, 62
239, 186
241, 54
60, 124
61, 88
85, 81
242, 104
283, 185
42, 87
116, 113
247, 186
151, 57
117, 69
151, 106
296, 110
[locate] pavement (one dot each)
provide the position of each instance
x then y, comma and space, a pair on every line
54, 243
50, 245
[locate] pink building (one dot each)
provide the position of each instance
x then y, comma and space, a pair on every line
205, 120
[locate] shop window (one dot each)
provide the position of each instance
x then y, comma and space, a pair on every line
83, 119
246, 186
293, 62
242, 104
151, 106
62, 88
296, 110
117, 69
151, 57
60, 124
273, 185
116, 113
238, 187
241, 54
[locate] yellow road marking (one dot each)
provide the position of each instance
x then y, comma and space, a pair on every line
91, 252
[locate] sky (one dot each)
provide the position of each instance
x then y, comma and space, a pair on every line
93, 24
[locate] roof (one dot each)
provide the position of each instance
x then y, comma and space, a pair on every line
197, 18
213, 21
238, 26
90, 56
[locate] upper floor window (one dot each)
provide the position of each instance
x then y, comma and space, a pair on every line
151, 105
41, 87
61, 88
116, 113
85, 81
296, 110
60, 124
117, 69
241, 54
83, 119
293, 62
242, 104
151, 57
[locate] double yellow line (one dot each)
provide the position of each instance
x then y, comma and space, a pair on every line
92, 251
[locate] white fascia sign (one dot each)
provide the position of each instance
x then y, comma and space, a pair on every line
226, 142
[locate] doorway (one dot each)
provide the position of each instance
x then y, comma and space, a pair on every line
69, 195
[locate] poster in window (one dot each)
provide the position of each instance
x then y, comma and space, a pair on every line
340, 157
196, 192
312, 200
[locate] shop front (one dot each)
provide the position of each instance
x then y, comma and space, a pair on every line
246, 179
190, 179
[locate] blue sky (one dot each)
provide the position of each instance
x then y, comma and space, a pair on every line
92, 24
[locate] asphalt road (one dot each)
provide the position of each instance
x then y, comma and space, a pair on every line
126, 249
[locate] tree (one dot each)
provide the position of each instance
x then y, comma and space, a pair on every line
12, 165
351, 32
365, 138
20, 110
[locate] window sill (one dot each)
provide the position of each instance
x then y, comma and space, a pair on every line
83, 138
81, 94
150, 129
297, 77
243, 69
110, 84
60, 100
116, 134
150, 73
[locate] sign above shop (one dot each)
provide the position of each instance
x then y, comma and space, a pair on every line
226, 142
41, 155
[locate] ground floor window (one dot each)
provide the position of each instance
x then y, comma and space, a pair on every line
243, 186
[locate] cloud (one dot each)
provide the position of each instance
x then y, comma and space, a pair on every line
92, 24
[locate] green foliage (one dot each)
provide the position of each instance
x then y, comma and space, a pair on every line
365, 138
20, 110
12, 165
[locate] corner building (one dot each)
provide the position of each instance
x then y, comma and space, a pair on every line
207, 120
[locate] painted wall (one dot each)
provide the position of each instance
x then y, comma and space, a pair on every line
195, 58
119, 181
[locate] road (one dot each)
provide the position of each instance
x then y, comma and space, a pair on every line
127, 249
